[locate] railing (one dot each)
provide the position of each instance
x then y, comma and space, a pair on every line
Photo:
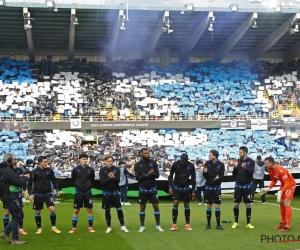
136, 118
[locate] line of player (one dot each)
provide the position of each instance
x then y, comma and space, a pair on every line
181, 177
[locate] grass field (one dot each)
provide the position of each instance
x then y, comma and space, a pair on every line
264, 218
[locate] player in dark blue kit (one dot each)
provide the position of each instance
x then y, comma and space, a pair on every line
180, 190
40, 191
110, 179
243, 173
146, 173
83, 176
213, 173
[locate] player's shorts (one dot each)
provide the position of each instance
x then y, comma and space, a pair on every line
83, 199
288, 194
181, 194
148, 195
40, 199
243, 191
3, 205
111, 199
212, 194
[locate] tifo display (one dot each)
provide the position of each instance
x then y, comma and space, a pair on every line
185, 91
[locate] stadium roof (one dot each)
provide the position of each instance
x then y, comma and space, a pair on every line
98, 30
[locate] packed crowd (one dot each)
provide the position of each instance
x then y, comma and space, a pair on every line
194, 91
282, 82
64, 147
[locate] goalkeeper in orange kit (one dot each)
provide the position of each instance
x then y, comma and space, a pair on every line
285, 193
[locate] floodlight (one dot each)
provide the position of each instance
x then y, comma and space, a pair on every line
49, 3
234, 7
189, 6
278, 8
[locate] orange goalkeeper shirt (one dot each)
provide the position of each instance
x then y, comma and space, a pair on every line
283, 175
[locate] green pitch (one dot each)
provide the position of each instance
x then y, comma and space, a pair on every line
264, 218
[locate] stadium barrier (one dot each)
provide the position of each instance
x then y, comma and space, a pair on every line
137, 118
79, 123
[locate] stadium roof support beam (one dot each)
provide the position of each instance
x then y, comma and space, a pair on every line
270, 40
71, 35
292, 52
113, 40
193, 39
29, 37
150, 47
232, 40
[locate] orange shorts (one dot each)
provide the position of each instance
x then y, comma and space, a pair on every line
288, 194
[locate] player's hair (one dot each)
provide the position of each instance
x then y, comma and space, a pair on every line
41, 158
83, 155
245, 149
214, 153
143, 149
270, 159
108, 157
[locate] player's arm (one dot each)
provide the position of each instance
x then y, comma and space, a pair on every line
54, 182
273, 181
73, 175
285, 180
30, 183
193, 179
24, 187
221, 172
170, 178
104, 179
250, 169
92, 175
205, 174
156, 171
138, 175
117, 175
235, 170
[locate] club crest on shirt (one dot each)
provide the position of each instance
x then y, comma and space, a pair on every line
276, 176
151, 165
248, 162
188, 168
218, 167
47, 172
